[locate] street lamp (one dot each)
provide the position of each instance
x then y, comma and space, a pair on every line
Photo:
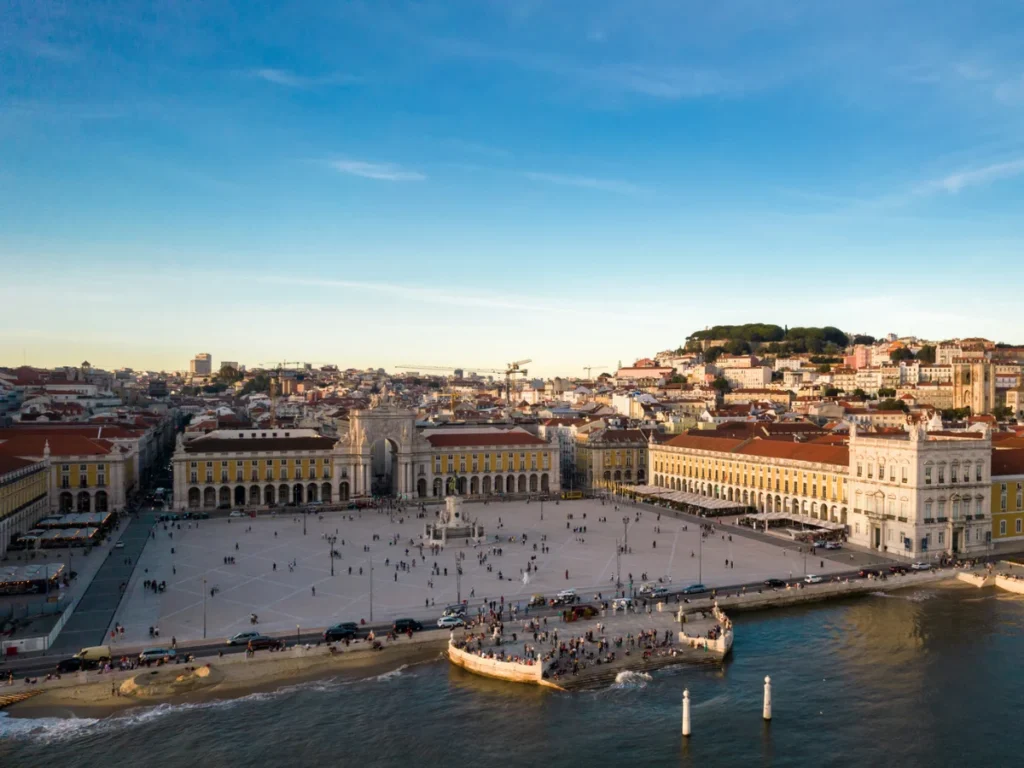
204, 609
625, 529
304, 511
618, 569
541, 507
330, 544
371, 590
458, 582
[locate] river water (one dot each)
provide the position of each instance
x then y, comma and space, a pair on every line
922, 677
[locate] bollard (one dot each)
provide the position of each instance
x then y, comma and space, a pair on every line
686, 713
767, 713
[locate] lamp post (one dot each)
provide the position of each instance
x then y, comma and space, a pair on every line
371, 590
541, 507
330, 551
296, 635
625, 530
618, 570
458, 582
304, 511
204, 609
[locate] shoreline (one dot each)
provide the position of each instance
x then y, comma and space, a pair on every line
237, 677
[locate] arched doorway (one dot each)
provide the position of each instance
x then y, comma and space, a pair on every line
239, 495
522, 483
533, 483
438, 484
67, 501
101, 501
254, 495
485, 485
421, 487
325, 493
224, 497
618, 475
194, 497
510, 484
85, 503
312, 493
209, 498
641, 476
268, 495
297, 494
343, 491
384, 467
284, 494
607, 476
499, 484
474, 485
544, 483
460, 486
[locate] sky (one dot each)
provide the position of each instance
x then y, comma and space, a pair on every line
470, 183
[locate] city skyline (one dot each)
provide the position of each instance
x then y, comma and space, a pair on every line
469, 184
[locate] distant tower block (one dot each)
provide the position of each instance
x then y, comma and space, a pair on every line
452, 526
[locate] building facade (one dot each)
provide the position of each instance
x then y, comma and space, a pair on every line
383, 453
974, 385
607, 458
201, 364
1007, 495
917, 494
24, 496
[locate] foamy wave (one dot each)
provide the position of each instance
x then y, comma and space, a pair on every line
630, 679
913, 597
56, 728
389, 675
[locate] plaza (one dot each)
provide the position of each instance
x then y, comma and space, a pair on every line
261, 579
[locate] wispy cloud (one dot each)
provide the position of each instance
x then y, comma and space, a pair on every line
585, 182
973, 177
379, 171
287, 79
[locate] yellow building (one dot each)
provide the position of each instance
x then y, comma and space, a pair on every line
607, 458
1007, 494
766, 475
24, 496
491, 462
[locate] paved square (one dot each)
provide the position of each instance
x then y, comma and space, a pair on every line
260, 580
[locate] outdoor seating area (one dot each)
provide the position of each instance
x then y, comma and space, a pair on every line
789, 520
26, 579
685, 501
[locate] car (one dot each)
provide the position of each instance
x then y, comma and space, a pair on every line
775, 583
820, 543
695, 589
866, 572
646, 588
458, 609
898, 568
406, 625
150, 655
119, 545
242, 637
263, 641
537, 600
812, 578
658, 592
74, 664
920, 566
566, 593
833, 545
235, 513
346, 630
622, 603
450, 622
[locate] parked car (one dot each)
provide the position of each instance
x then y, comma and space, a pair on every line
820, 543
119, 545
865, 572
567, 594
920, 566
775, 583
621, 603
459, 609
405, 625
151, 655
584, 612
537, 600
812, 578
74, 664
346, 630
695, 589
833, 545
263, 641
658, 592
235, 513
450, 622
898, 568
242, 637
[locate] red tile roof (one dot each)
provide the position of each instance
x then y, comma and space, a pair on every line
699, 443
60, 445
1007, 461
475, 439
257, 445
815, 453
13, 463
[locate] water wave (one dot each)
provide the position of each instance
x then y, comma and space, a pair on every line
628, 679
913, 597
387, 675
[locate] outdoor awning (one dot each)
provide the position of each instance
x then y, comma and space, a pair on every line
790, 517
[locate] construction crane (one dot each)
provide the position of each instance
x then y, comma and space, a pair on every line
589, 368
509, 371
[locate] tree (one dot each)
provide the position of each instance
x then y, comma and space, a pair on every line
1002, 412
893, 405
860, 394
738, 347
886, 392
901, 353
832, 391
824, 368
721, 384
861, 338
712, 354
926, 354
228, 374
258, 383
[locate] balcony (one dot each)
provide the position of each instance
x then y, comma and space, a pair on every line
902, 519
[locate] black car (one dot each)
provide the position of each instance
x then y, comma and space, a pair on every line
72, 665
263, 641
865, 572
347, 630
406, 625
775, 583
898, 568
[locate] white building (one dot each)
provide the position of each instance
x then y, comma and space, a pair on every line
748, 378
920, 494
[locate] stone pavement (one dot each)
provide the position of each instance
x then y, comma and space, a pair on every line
283, 598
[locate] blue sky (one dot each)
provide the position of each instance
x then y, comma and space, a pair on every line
475, 182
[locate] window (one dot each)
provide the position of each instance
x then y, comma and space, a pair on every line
954, 471
892, 473
860, 469
967, 472
942, 474
871, 472
1002, 497
1018, 525
856, 527
881, 470
928, 475
903, 477
977, 471
977, 507
928, 509
956, 509
1020, 495
942, 538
